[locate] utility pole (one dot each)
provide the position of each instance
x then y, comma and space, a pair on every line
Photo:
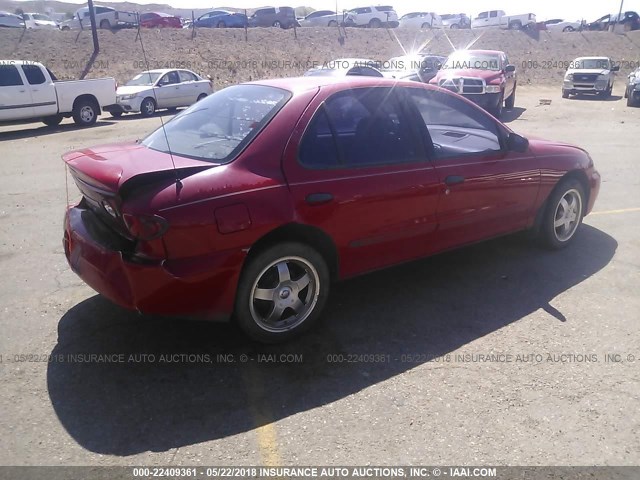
94, 28
620, 13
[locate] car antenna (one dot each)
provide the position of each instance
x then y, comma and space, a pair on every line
164, 130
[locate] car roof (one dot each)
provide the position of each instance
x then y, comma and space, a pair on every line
299, 85
591, 58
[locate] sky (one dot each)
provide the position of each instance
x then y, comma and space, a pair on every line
544, 9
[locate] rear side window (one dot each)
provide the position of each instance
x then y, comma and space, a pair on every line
357, 128
384, 9
187, 76
9, 76
34, 74
266, 11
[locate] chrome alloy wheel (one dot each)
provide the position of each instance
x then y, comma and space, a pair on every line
567, 215
87, 113
284, 294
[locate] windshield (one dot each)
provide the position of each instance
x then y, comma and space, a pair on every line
144, 78
219, 127
591, 64
478, 61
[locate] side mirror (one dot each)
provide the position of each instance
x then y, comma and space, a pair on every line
517, 143
616, 68
510, 68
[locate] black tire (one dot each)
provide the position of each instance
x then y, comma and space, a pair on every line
455, 26
606, 93
201, 96
105, 24
497, 110
148, 107
85, 112
52, 121
426, 26
626, 92
568, 29
277, 24
565, 93
263, 273
116, 114
375, 23
552, 213
511, 101
221, 24
333, 23
517, 25
631, 101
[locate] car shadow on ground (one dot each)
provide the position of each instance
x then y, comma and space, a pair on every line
596, 98
139, 116
512, 114
426, 308
46, 130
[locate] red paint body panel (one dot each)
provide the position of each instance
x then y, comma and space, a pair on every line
376, 216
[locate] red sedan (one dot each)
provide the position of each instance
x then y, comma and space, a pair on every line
249, 203
159, 20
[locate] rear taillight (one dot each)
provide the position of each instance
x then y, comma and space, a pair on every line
145, 227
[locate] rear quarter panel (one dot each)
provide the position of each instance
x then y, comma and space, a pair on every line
103, 89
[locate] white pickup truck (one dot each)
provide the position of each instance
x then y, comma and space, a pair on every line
106, 17
30, 92
497, 18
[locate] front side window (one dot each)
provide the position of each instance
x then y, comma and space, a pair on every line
9, 76
356, 128
455, 127
170, 78
219, 127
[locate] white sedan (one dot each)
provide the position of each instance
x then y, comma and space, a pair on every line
421, 20
156, 89
39, 21
559, 25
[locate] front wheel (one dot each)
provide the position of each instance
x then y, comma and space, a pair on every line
148, 107
375, 23
511, 101
281, 292
85, 113
333, 23
277, 24
568, 29
496, 111
455, 26
565, 93
105, 24
222, 25
563, 214
202, 96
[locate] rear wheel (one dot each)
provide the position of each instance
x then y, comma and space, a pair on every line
148, 107
606, 93
515, 25
568, 29
85, 112
496, 111
52, 121
375, 23
201, 96
563, 214
333, 23
277, 24
281, 292
455, 26
221, 24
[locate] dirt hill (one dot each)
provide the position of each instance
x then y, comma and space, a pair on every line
540, 58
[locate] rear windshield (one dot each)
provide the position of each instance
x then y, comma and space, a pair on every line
219, 127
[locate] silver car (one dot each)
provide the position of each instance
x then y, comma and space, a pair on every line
632, 92
321, 18
10, 20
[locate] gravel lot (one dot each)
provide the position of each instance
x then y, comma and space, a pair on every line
549, 396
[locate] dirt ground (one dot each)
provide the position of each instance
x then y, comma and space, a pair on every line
572, 317
540, 57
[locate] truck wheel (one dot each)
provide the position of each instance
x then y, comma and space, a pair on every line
568, 29
515, 25
606, 93
201, 97
631, 101
497, 110
148, 107
375, 23
511, 101
281, 292
52, 121
85, 113
333, 23
455, 26
105, 24
565, 93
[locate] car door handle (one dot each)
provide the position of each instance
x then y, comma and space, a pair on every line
453, 180
318, 198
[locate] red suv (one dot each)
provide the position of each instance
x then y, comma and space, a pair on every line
249, 203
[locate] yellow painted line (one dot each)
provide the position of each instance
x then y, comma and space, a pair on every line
613, 212
266, 433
